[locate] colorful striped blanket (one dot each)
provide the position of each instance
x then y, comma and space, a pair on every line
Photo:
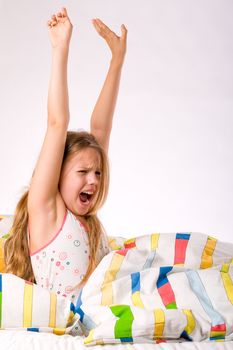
161, 287
155, 288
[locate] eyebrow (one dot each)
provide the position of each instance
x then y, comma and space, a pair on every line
88, 167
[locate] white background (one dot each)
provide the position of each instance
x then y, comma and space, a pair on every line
171, 151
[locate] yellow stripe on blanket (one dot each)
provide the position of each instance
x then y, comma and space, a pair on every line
130, 243
89, 338
154, 241
207, 255
110, 275
159, 323
227, 281
191, 323
136, 300
27, 305
52, 311
113, 245
59, 331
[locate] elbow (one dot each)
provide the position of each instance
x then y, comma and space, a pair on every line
57, 123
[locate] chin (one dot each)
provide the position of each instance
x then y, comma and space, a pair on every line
83, 211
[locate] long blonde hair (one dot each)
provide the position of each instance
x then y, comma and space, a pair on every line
16, 250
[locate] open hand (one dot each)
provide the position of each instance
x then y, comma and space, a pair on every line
117, 44
60, 29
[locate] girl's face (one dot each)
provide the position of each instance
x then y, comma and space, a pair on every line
80, 180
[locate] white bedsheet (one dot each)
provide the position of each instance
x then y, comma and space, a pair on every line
20, 340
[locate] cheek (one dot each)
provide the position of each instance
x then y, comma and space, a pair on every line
71, 184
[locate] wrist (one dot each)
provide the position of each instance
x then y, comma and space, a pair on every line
64, 49
117, 61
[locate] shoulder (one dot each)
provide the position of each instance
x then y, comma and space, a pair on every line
44, 227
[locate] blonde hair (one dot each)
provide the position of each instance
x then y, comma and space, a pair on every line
16, 250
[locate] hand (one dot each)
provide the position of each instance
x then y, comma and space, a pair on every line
60, 29
116, 44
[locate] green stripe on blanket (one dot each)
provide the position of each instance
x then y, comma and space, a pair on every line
123, 326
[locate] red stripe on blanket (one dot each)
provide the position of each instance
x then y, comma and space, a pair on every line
219, 327
122, 252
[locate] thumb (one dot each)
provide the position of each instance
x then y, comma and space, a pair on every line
124, 32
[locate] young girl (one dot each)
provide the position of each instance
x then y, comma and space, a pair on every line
57, 239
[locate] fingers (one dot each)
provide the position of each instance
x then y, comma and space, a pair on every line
61, 16
53, 21
95, 24
105, 30
101, 27
64, 11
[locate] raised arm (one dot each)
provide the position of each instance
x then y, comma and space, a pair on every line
44, 184
102, 115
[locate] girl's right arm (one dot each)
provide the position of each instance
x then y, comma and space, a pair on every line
44, 198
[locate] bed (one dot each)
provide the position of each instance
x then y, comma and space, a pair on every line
10, 340
156, 291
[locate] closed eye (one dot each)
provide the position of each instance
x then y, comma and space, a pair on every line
98, 173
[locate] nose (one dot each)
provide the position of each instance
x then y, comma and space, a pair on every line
92, 178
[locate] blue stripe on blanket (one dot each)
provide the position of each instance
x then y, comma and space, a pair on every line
163, 275
185, 236
85, 319
33, 329
149, 260
126, 340
135, 279
185, 336
199, 290
77, 308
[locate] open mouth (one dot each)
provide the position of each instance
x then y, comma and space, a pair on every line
85, 197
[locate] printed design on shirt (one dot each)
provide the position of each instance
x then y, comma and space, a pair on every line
62, 264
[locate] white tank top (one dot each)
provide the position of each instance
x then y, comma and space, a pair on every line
62, 263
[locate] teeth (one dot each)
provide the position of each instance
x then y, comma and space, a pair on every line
87, 192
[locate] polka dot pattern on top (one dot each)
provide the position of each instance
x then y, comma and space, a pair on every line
62, 264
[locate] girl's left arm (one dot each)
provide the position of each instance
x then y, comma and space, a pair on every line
102, 115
